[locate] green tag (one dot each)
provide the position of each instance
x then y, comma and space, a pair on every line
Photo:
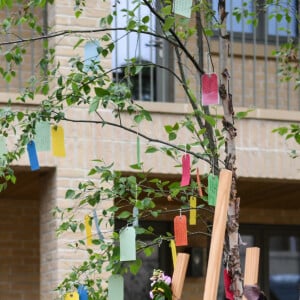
127, 244
42, 138
183, 7
115, 287
3, 150
213, 182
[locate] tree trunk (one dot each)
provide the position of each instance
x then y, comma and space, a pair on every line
231, 248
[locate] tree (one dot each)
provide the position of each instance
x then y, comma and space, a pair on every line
94, 87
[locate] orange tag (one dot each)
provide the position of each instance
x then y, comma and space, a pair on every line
199, 183
180, 230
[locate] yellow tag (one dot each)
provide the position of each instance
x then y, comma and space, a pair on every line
71, 296
88, 230
58, 141
174, 253
193, 211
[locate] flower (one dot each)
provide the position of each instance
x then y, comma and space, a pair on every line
160, 286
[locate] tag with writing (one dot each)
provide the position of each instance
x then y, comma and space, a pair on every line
88, 229
199, 183
58, 141
186, 170
210, 89
95, 217
183, 7
83, 293
180, 230
115, 287
135, 214
193, 210
127, 244
33, 158
71, 296
42, 137
213, 182
174, 252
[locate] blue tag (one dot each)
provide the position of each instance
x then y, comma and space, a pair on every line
83, 293
34, 162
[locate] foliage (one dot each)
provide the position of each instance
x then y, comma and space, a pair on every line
160, 286
92, 87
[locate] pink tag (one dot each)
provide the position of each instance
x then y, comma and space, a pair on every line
180, 230
227, 282
186, 172
210, 89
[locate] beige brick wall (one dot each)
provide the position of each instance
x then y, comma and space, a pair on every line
19, 249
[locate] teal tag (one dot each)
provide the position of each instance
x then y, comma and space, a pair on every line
115, 287
42, 138
127, 244
3, 150
213, 182
183, 7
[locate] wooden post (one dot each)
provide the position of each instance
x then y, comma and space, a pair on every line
251, 266
179, 275
217, 238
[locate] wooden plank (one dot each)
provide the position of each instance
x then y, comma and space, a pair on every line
251, 266
218, 235
179, 275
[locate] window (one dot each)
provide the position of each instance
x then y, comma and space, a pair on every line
151, 84
274, 21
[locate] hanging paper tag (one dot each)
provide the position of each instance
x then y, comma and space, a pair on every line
193, 210
180, 230
186, 175
199, 184
58, 141
135, 214
115, 287
183, 7
174, 253
83, 293
138, 150
213, 182
227, 283
33, 159
88, 230
3, 150
42, 138
127, 244
95, 217
71, 296
210, 89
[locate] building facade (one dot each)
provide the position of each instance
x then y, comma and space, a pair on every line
34, 260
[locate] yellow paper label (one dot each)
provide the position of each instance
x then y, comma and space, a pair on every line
193, 210
58, 141
174, 253
71, 296
88, 230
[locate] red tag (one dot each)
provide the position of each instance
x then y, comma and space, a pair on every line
180, 230
227, 282
210, 89
186, 175
199, 184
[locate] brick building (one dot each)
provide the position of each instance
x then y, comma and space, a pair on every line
34, 260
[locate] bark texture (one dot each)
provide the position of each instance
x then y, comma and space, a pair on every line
231, 248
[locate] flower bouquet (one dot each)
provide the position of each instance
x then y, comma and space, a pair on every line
160, 286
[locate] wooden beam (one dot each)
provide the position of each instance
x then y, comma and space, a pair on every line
251, 266
179, 275
217, 238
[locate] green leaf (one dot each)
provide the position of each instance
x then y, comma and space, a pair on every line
169, 22
135, 267
124, 215
94, 105
100, 92
151, 149
172, 136
70, 194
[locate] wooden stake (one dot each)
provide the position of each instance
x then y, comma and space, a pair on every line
218, 234
251, 266
179, 275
